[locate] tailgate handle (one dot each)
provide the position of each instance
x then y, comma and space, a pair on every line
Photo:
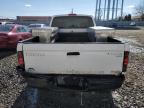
73, 53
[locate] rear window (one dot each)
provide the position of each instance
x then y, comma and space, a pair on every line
6, 28
73, 22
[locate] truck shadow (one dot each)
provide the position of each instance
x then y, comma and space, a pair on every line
33, 98
6, 52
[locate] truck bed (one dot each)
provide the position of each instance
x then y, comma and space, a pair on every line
73, 58
102, 40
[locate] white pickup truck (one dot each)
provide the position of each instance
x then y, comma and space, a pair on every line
71, 55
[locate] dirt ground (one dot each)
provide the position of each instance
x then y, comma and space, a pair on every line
133, 34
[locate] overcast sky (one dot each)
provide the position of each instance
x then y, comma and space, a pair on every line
12, 8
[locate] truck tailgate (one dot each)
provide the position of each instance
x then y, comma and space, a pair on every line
73, 58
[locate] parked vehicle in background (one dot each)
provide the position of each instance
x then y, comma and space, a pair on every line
133, 23
31, 26
10, 34
6, 23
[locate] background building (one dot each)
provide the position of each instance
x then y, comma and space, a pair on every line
3, 19
138, 18
26, 20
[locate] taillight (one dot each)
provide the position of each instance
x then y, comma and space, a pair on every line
125, 61
20, 58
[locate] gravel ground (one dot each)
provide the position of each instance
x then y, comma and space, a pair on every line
13, 90
6, 52
133, 34
131, 94
11, 84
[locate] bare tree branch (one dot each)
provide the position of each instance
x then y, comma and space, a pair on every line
140, 10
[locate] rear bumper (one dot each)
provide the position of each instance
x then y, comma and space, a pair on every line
73, 82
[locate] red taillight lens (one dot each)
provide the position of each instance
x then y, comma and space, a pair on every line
126, 58
125, 61
20, 58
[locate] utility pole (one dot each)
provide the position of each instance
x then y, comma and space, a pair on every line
105, 8
116, 8
108, 9
122, 8
113, 9
96, 10
99, 10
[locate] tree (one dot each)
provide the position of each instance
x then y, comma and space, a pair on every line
142, 16
140, 10
129, 17
126, 17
